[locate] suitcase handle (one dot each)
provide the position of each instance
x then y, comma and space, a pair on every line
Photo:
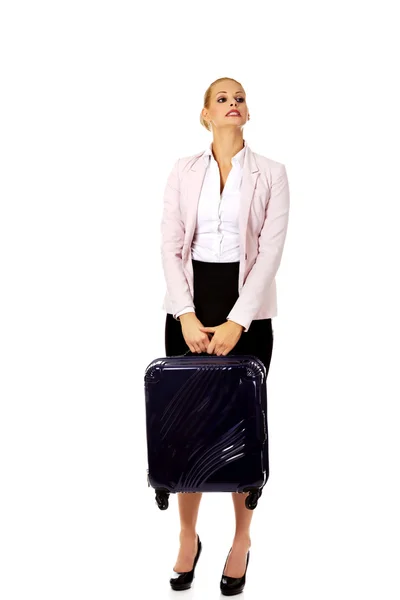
189, 352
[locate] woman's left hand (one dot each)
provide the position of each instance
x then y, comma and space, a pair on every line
225, 337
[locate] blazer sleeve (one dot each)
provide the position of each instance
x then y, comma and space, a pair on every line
172, 238
270, 248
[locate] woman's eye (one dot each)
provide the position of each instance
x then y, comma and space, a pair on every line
238, 99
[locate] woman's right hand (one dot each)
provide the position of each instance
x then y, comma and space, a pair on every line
196, 340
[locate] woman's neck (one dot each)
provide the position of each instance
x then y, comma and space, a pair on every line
225, 147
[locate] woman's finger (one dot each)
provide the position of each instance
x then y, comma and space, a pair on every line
211, 347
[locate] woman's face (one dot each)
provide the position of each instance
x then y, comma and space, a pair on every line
225, 96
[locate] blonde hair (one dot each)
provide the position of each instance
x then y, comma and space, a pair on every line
207, 98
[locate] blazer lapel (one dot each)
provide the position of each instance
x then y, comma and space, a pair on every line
250, 176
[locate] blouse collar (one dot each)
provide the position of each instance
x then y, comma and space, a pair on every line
237, 159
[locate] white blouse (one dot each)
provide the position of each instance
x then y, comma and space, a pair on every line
216, 236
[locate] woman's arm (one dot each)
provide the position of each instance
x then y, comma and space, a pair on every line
271, 243
172, 235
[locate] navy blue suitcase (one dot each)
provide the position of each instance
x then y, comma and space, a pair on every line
206, 425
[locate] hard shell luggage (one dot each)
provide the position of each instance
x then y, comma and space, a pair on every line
206, 425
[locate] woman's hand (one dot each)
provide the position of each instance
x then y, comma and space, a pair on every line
191, 331
225, 337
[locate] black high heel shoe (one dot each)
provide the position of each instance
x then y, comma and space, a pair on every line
183, 581
230, 586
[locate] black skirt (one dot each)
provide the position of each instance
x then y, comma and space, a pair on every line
216, 289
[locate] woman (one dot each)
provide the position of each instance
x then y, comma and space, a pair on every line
224, 225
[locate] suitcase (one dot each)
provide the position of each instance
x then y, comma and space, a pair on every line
206, 425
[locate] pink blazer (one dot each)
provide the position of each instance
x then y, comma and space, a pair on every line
263, 222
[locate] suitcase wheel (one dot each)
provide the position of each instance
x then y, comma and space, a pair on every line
251, 500
162, 500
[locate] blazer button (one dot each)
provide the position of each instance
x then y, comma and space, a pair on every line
245, 257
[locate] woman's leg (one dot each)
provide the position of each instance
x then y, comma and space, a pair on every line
188, 512
258, 342
188, 503
236, 564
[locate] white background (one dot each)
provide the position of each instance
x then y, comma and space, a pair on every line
98, 100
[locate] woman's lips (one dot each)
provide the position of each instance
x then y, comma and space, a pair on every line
236, 114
